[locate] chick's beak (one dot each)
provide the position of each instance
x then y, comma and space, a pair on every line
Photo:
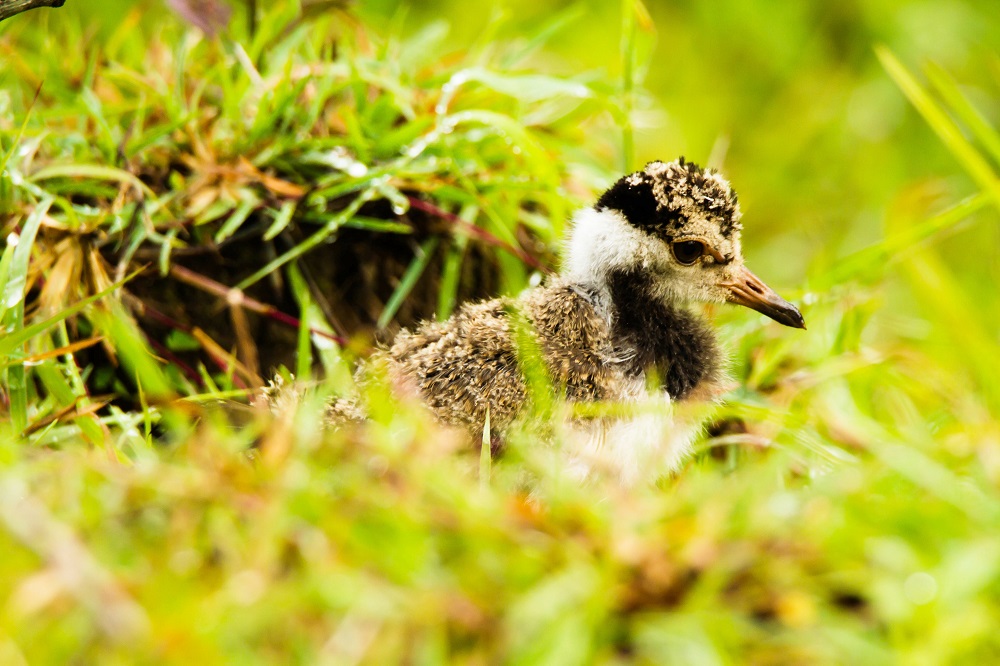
744, 288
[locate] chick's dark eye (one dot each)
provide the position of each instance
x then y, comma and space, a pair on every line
688, 252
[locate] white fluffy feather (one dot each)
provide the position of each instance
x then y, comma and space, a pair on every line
602, 241
637, 449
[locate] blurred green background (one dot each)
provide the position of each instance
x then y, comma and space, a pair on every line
788, 97
844, 507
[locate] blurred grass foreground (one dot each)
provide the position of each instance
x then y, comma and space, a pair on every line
193, 194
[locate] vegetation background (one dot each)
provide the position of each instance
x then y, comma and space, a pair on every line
183, 184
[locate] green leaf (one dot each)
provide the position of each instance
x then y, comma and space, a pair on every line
57, 385
9, 343
524, 87
237, 217
317, 238
486, 453
129, 342
409, 280
93, 171
12, 306
281, 220
875, 259
963, 108
974, 164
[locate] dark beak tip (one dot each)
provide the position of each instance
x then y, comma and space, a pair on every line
789, 316
782, 312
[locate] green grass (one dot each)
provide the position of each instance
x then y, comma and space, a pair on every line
846, 508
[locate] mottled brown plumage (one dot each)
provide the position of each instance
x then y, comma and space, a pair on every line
470, 363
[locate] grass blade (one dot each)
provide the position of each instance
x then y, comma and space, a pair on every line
121, 331
963, 108
317, 238
236, 219
410, 277
281, 220
875, 259
486, 453
95, 172
20, 133
14, 293
451, 272
9, 343
974, 164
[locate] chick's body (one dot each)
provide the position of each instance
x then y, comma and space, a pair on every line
471, 363
613, 327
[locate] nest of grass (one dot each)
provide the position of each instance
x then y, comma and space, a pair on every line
313, 181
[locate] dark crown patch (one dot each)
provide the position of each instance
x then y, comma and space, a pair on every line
665, 196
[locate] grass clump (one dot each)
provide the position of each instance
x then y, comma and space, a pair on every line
182, 213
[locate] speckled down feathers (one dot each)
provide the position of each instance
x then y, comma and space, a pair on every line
470, 363
666, 197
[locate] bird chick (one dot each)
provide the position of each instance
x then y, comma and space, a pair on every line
613, 327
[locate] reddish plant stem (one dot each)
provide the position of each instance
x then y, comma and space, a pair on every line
159, 317
237, 297
190, 372
170, 322
478, 232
